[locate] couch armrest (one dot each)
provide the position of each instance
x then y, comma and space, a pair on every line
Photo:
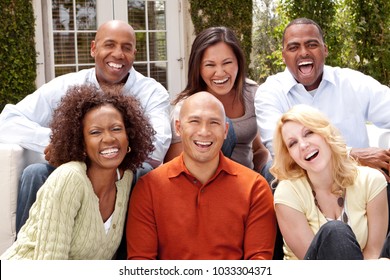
13, 159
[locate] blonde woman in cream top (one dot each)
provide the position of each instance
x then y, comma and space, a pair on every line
327, 206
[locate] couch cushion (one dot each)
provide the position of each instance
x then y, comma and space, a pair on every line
11, 167
13, 159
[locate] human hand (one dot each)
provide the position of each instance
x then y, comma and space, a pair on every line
377, 158
47, 153
260, 158
261, 155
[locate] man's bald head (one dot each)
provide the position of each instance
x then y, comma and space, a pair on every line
114, 25
201, 99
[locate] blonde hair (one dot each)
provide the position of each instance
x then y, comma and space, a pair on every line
284, 167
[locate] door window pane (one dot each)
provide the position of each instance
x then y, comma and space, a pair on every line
74, 27
156, 15
142, 50
136, 14
148, 19
84, 48
159, 72
64, 48
64, 70
157, 46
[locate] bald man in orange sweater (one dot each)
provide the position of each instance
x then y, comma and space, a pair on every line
201, 205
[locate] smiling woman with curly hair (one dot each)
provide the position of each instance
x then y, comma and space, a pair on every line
99, 139
67, 132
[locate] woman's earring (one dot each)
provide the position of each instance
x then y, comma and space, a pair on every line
128, 149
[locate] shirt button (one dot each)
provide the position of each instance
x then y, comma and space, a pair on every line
114, 226
120, 204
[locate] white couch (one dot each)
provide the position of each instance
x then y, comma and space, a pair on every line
13, 159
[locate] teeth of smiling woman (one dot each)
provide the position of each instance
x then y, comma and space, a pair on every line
310, 155
220, 81
117, 66
109, 151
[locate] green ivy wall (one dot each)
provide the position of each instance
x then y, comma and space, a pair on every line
234, 14
17, 51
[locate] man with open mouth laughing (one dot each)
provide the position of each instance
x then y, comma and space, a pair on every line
201, 204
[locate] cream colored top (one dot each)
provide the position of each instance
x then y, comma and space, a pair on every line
297, 194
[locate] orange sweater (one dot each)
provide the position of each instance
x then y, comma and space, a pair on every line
173, 216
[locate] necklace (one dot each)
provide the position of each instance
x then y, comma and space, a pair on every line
340, 202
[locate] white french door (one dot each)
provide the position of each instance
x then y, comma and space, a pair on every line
71, 25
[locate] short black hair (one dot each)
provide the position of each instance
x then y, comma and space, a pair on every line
303, 21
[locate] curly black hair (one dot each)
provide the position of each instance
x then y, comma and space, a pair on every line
67, 137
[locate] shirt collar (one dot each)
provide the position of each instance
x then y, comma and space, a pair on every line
289, 81
131, 79
328, 75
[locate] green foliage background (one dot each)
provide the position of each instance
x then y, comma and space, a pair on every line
234, 14
371, 25
17, 51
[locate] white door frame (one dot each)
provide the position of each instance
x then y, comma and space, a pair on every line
175, 47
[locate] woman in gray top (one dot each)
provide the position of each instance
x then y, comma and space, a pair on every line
217, 65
